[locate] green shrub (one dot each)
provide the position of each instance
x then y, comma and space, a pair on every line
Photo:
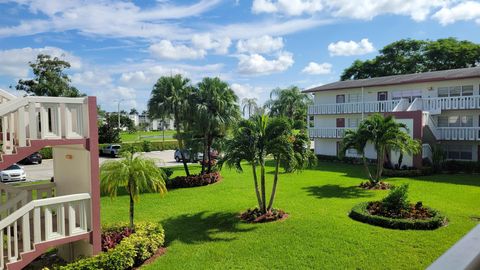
397, 199
455, 166
131, 251
168, 171
408, 173
360, 213
146, 146
154, 146
46, 153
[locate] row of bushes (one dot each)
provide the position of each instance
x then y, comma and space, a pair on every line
360, 213
131, 252
351, 160
408, 172
193, 180
147, 146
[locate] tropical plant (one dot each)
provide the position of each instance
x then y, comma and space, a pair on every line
134, 173
250, 106
386, 135
170, 97
290, 103
255, 139
216, 110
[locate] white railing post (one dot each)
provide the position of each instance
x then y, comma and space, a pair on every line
37, 232
32, 121
21, 128
26, 232
43, 122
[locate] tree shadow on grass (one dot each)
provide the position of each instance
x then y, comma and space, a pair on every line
336, 191
202, 227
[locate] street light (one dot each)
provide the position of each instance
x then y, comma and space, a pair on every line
118, 108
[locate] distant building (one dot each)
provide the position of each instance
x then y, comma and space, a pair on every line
142, 120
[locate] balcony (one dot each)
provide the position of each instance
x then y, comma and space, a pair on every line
459, 133
327, 133
437, 105
359, 107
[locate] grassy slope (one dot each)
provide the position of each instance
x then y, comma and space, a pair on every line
203, 232
133, 137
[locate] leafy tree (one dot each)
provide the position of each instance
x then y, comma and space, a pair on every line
290, 103
108, 131
133, 111
216, 110
408, 56
125, 121
134, 173
49, 79
255, 139
385, 134
170, 96
249, 105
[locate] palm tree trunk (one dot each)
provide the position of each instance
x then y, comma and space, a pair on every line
367, 170
263, 209
274, 188
203, 158
181, 146
131, 210
209, 149
380, 160
255, 180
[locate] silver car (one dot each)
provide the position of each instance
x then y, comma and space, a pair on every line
13, 173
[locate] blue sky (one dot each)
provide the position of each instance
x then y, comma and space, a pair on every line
119, 49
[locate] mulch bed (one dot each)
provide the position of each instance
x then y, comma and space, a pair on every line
414, 211
378, 186
255, 216
194, 180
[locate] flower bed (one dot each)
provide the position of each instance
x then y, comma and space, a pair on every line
417, 217
378, 186
255, 216
194, 180
130, 251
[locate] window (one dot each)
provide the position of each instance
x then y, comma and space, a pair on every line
311, 121
340, 98
382, 96
354, 98
455, 91
353, 122
455, 121
458, 151
467, 90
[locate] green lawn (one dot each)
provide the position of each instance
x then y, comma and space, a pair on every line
153, 136
203, 231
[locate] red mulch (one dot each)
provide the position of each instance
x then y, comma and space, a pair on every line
255, 216
414, 211
379, 186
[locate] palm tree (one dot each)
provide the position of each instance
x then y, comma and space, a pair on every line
170, 97
134, 173
386, 135
216, 111
255, 139
289, 102
249, 105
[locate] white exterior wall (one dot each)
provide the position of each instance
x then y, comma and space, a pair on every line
427, 90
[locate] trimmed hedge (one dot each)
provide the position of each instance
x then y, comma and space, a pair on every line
455, 166
132, 251
360, 213
193, 180
147, 147
408, 173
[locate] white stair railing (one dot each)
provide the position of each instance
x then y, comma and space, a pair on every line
427, 152
33, 118
49, 215
402, 105
428, 121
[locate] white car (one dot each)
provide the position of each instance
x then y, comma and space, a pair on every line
13, 173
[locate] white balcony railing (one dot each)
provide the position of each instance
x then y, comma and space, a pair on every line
436, 105
459, 133
33, 118
358, 107
58, 217
327, 133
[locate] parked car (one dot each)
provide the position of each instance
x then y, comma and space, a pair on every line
213, 155
186, 154
13, 173
33, 158
111, 150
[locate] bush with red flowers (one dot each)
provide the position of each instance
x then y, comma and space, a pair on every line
194, 180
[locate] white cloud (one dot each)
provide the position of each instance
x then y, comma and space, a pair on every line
107, 18
263, 44
91, 78
206, 42
110, 96
249, 91
315, 68
288, 7
166, 50
349, 48
257, 64
418, 10
14, 62
465, 11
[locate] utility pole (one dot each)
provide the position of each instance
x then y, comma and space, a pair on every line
118, 111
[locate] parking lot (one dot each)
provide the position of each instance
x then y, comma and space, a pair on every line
44, 171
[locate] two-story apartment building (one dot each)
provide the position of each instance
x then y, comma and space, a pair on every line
440, 108
64, 213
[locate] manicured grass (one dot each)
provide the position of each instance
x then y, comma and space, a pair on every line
153, 136
203, 231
